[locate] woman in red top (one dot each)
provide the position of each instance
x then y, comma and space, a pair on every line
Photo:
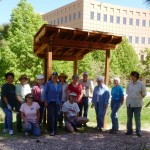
76, 87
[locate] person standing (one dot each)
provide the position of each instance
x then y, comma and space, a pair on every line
8, 102
76, 87
62, 79
37, 91
117, 100
52, 98
88, 88
22, 89
100, 101
136, 91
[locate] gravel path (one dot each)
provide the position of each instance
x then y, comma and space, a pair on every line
78, 141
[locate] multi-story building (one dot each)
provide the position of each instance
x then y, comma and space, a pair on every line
98, 16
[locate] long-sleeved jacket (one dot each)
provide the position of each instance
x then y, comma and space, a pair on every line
135, 93
52, 93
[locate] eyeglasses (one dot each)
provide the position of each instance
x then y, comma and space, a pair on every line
30, 97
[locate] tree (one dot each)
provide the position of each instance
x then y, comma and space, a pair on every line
124, 59
24, 24
7, 58
148, 2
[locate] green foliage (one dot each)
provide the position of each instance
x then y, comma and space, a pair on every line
24, 24
124, 59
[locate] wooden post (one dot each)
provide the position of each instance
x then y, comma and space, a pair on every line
49, 61
75, 66
107, 65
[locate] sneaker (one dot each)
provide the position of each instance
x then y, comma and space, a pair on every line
52, 133
139, 134
128, 133
5, 130
11, 132
26, 133
112, 132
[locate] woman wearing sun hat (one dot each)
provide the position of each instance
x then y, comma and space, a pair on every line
37, 91
62, 79
22, 89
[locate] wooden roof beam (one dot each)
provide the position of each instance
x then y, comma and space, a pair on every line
41, 49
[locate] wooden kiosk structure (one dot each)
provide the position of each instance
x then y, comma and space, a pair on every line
70, 44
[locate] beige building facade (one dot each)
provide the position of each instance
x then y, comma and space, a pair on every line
98, 16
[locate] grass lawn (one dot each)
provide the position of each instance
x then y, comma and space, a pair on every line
145, 118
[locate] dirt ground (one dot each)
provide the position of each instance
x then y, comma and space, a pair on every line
78, 141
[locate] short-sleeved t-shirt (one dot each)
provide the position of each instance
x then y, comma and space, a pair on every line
30, 111
70, 109
77, 90
8, 90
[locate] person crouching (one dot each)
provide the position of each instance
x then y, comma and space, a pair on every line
71, 113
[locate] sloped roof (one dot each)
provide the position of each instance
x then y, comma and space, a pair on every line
70, 43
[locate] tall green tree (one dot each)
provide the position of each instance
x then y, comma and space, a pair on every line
7, 57
124, 59
23, 26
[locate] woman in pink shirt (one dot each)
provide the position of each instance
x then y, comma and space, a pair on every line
30, 115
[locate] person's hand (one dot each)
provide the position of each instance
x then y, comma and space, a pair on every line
9, 107
92, 106
46, 104
37, 125
26, 124
105, 106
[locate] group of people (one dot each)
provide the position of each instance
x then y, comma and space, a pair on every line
69, 102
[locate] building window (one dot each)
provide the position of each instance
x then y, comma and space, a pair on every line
65, 19
92, 15
79, 15
112, 9
118, 10
130, 39
136, 40
54, 22
148, 40
98, 16
111, 19
92, 5
118, 19
62, 20
58, 21
137, 22
124, 20
105, 18
74, 16
143, 23
130, 21
70, 18
105, 8
149, 23
125, 11
143, 40
138, 13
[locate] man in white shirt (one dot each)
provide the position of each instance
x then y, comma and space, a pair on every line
88, 88
71, 113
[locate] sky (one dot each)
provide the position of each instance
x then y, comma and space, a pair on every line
44, 6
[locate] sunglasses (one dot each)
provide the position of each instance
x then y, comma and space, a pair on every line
31, 97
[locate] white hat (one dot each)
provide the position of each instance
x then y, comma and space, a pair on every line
117, 79
73, 94
100, 78
85, 73
40, 76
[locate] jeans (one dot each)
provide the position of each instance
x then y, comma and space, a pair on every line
18, 121
137, 114
8, 119
100, 114
32, 127
115, 105
85, 101
53, 110
41, 112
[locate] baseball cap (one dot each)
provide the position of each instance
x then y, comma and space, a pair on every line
54, 74
40, 76
73, 94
